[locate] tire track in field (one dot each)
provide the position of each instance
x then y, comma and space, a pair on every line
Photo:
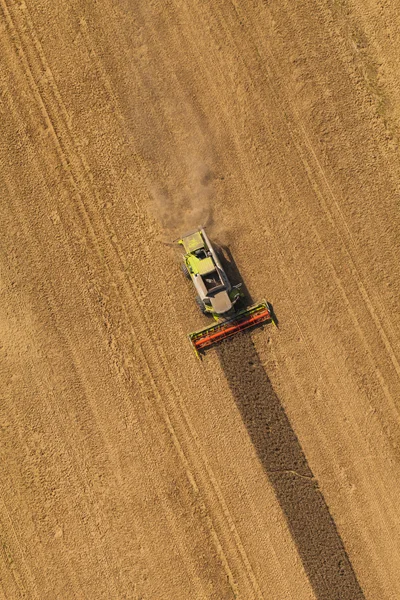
314, 172
312, 527
60, 419
318, 180
319, 183
65, 159
161, 359
335, 217
77, 179
25, 581
138, 377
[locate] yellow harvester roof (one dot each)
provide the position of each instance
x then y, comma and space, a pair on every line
205, 266
193, 241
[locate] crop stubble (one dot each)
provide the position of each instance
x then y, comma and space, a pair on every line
127, 469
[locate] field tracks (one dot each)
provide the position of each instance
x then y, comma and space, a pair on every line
51, 105
306, 151
324, 183
59, 416
26, 588
319, 182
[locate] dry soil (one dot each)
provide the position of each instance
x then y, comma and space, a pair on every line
129, 469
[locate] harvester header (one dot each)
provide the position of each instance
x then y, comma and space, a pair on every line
216, 296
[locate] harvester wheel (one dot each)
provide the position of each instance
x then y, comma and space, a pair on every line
185, 271
200, 304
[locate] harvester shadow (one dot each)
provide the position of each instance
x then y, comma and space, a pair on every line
232, 270
311, 525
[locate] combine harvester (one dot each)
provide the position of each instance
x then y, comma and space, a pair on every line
216, 296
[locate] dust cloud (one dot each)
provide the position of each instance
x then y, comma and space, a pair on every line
181, 207
168, 128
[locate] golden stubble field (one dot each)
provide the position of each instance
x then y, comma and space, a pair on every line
128, 469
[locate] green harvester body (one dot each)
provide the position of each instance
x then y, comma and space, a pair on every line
216, 296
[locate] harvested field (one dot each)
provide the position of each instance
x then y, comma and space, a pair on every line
128, 469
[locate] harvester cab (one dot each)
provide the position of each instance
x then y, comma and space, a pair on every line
215, 294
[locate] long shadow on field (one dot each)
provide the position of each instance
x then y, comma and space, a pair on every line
231, 269
318, 542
